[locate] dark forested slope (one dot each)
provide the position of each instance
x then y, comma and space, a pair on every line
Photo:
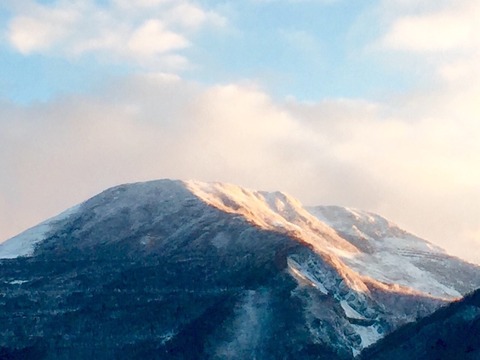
453, 332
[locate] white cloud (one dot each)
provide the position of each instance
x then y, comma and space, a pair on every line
152, 38
444, 35
147, 32
454, 28
38, 28
29, 35
462, 71
192, 16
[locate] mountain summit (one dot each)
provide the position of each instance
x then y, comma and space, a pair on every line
186, 269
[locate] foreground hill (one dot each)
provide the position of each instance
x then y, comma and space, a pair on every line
172, 269
450, 333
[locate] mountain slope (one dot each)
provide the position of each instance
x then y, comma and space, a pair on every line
177, 269
449, 333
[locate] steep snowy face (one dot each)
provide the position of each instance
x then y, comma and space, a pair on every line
394, 256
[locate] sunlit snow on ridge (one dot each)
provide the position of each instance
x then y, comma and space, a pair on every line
271, 211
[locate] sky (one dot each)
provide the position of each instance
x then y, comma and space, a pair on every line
368, 104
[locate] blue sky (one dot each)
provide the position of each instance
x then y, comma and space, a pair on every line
305, 50
369, 104
309, 50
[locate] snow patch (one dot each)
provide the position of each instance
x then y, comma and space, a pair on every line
17, 282
351, 312
169, 335
301, 274
368, 334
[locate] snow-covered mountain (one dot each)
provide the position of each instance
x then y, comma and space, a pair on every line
327, 280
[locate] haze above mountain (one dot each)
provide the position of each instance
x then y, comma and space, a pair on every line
240, 269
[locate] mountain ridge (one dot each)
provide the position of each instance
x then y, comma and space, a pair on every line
280, 212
